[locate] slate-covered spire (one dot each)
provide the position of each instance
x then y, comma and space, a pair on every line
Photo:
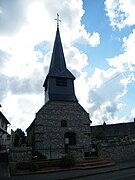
58, 64
58, 59
59, 83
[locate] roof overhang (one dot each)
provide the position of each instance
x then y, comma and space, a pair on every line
3, 131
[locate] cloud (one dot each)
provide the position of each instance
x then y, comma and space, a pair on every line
4, 57
26, 25
12, 16
85, 37
40, 27
94, 39
30, 85
20, 110
32, 21
125, 62
108, 87
3, 87
76, 60
121, 13
105, 90
133, 113
105, 113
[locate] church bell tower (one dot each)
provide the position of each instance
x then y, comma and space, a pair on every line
61, 125
59, 82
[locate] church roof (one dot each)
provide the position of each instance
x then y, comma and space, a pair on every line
58, 65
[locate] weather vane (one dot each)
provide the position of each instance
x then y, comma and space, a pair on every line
58, 20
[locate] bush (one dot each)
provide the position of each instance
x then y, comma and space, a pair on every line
27, 166
34, 167
23, 166
67, 161
38, 155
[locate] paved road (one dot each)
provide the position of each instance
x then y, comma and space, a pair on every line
127, 174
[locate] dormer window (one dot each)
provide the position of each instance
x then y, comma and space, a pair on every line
61, 81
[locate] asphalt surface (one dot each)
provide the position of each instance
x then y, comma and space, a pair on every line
125, 174
100, 173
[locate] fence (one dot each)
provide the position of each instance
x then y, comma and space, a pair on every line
20, 154
58, 153
53, 153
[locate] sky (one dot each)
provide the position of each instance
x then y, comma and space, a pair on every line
98, 39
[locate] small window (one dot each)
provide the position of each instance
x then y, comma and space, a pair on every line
2, 124
63, 123
61, 82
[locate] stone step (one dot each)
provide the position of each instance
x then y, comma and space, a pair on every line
95, 163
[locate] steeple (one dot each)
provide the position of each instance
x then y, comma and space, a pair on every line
58, 60
58, 20
58, 64
59, 85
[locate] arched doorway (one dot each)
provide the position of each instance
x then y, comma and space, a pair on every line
70, 139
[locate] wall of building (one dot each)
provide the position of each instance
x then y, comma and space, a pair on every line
49, 135
117, 153
3, 136
30, 136
20, 154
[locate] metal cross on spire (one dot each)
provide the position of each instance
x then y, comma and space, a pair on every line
58, 20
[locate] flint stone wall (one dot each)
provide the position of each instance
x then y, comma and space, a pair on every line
20, 154
49, 135
117, 153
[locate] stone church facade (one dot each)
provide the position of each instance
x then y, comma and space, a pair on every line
62, 125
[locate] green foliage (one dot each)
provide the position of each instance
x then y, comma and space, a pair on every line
23, 166
34, 167
16, 140
121, 136
31, 166
19, 137
67, 161
38, 155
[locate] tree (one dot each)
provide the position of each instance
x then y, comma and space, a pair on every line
19, 137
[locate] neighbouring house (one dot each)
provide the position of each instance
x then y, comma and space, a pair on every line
4, 142
62, 125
